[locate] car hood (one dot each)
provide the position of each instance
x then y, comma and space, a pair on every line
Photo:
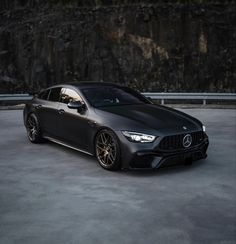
153, 116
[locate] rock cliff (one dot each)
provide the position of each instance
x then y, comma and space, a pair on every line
151, 46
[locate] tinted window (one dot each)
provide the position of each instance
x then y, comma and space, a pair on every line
44, 94
112, 96
69, 95
55, 94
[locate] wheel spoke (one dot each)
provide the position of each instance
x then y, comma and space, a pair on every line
103, 138
106, 159
34, 131
32, 128
101, 154
100, 143
100, 148
30, 122
112, 144
111, 156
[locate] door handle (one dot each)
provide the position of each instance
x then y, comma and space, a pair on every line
61, 111
38, 106
92, 123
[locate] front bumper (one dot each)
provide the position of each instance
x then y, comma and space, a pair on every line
156, 160
137, 157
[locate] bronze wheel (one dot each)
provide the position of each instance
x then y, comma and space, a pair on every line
107, 150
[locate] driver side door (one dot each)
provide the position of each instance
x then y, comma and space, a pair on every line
72, 124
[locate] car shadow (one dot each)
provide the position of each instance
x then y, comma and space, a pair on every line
165, 170
131, 172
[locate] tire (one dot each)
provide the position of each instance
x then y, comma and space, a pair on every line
33, 129
107, 150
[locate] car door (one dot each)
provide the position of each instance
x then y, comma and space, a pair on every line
73, 125
48, 112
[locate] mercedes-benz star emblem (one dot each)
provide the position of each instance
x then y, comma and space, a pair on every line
187, 140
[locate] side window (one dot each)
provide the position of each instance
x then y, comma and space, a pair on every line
69, 95
43, 95
54, 94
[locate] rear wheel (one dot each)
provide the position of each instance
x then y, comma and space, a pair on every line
33, 129
107, 150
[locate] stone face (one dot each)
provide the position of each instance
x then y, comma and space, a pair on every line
153, 47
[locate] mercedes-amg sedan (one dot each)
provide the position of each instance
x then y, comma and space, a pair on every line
118, 125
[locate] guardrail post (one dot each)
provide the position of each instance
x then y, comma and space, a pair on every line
204, 102
162, 101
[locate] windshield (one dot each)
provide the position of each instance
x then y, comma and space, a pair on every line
112, 96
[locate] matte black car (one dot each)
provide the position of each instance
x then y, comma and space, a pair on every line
118, 125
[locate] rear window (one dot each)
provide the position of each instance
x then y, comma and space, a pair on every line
55, 94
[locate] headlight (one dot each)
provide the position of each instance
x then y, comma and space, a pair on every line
138, 137
204, 128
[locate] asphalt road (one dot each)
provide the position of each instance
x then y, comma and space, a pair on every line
50, 194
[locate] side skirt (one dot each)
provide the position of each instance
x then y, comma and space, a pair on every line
66, 145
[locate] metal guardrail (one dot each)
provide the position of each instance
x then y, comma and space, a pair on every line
15, 97
191, 96
159, 96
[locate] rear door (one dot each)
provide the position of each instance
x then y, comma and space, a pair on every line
48, 112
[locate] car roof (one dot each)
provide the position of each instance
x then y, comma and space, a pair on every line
86, 84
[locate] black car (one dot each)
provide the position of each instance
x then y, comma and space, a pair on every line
118, 125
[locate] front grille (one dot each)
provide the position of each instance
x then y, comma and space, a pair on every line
176, 141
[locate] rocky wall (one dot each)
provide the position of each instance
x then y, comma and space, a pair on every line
153, 47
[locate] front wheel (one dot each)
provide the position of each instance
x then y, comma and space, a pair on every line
33, 129
107, 150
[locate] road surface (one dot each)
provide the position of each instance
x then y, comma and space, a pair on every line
50, 194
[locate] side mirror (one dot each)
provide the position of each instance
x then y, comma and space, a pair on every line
76, 105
